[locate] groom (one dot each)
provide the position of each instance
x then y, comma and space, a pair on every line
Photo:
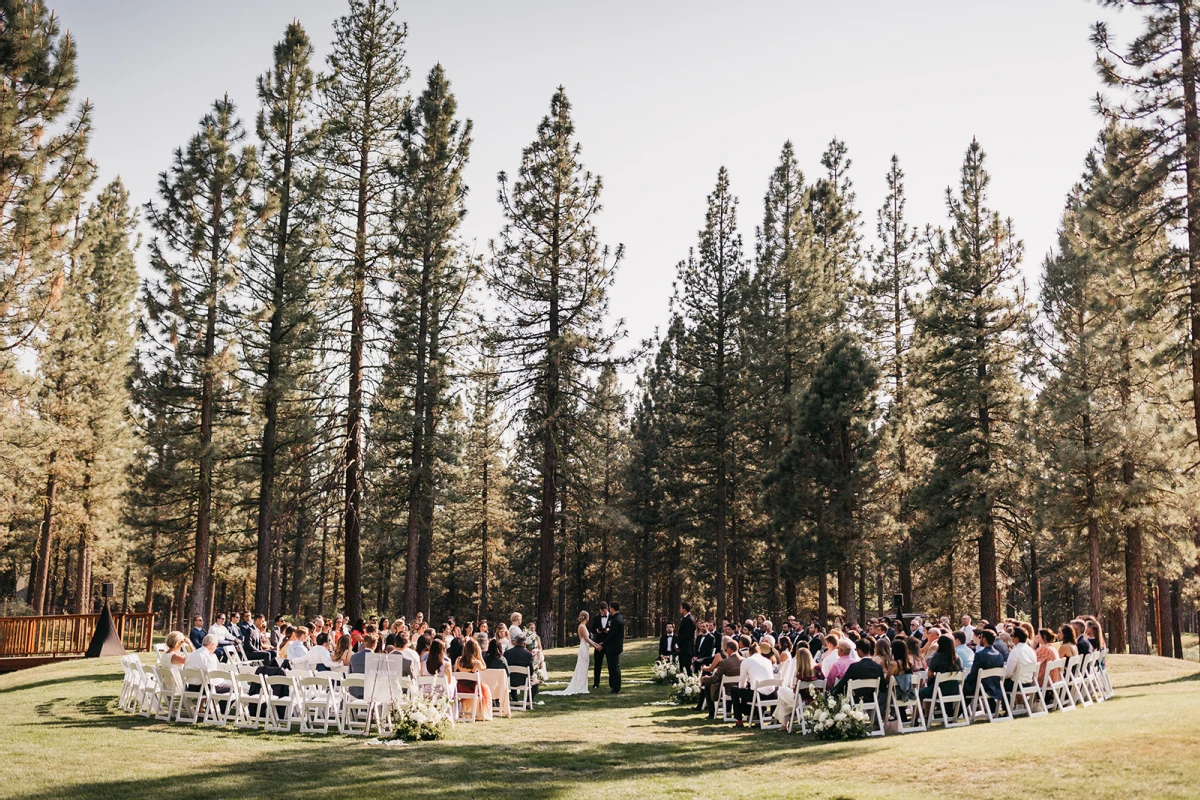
599, 632
614, 644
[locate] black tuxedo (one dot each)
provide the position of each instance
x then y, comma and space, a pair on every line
706, 649
687, 642
668, 646
614, 644
599, 629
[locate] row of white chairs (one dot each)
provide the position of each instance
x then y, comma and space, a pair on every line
1082, 680
310, 701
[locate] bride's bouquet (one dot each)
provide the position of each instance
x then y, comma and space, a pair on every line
834, 718
665, 672
687, 689
420, 717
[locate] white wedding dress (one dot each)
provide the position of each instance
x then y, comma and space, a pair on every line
583, 663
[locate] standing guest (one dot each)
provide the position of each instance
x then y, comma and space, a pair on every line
687, 637
965, 654
519, 656
198, 632
343, 650
514, 626
1046, 652
751, 672
837, 668
968, 629
668, 644
358, 662
1067, 648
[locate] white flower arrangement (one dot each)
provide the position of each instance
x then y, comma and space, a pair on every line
834, 717
665, 672
420, 717
686, 689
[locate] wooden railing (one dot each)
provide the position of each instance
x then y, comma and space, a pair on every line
68, 634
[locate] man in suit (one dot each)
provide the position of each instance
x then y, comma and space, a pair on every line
198, 632
668, 644
730, 666
599, 632
614, 645
706, 647
865, 667
519, 656
358, 661
687, 637
986, 657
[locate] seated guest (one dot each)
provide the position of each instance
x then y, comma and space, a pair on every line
436, 663
1021, 653
965, 654
728, 664
1094, 634
318, 657
751, 672
412, 661
988, 657
865, 667
944, 659
519, 656
1067, 648
472, 662
902, 671
999, 644
235, 626
246, 625
174, 656
253, 642
668, 644
204, 659
1083, 644
343, 650
297, 648
218, 629
834, 669
883, 655
831, 649
494, 659
913, 646
198, 632
455, 648
706, 646
277, 632
1045, 652
358, 662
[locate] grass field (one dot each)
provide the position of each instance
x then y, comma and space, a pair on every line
61, 737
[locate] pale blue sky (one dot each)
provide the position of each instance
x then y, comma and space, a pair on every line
664, 94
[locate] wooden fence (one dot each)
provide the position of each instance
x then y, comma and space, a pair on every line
65, 635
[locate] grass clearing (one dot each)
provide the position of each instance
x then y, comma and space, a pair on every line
63, 738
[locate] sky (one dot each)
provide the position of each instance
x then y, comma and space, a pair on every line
663, 95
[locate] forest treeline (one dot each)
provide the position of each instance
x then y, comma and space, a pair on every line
318, 397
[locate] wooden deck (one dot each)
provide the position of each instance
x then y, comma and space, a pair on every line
33, 641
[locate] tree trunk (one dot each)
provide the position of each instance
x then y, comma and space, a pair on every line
1176, 622
1162, 598
45, 539
823, 597
1135, 591
1035, 589
1191, 162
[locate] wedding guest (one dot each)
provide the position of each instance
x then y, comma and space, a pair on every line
276, 633
751, 672
297, 648
988, 657
174, 657
470, 662
944, 659
883, 655
412, 661
343, 650
968, 630
913, 645
901, 674
1046, 652
519, 656
1021, 653
514, 625
317, 657
502, 638
358, 662
834, 669
1081, 641
1067, 648
198, 632
864, 668
495, 653
1094, 634
436, 663
204, 659
668, 643
965, 654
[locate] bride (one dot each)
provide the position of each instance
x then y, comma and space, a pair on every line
579, 680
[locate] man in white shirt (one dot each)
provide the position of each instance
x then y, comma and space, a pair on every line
515, 627
968, 629
204, 659
297, 650
1019, 653
753, 670
317, 656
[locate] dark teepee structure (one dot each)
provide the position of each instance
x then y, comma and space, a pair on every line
105, 641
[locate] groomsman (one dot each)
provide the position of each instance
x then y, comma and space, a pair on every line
687, 637
706, 647
600, 625
668, 644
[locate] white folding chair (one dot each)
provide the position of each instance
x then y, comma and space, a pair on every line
475, 698
159, 648
524, 691
916, 714
281, 711
942, 702
319, 707
1025, 698
764, 707
1056, 689
1074, 679
167, 695
803, 687
871, 706
1091, 676
250, 700
1102, 671
147, 702
981, 705
725, 700
191, 695
354, 713
213, 713
124, 701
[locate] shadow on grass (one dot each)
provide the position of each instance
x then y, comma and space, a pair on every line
90, 678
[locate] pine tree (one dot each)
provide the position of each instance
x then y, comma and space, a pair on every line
200, 228
970, 333
890, 304
712, 287
434, 276
818, 486
551, 276
364, 112
281, 274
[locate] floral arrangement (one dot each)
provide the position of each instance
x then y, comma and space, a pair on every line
420, 717
686, 689
665, 672
834, 718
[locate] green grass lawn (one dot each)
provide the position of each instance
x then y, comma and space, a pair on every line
62, 737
